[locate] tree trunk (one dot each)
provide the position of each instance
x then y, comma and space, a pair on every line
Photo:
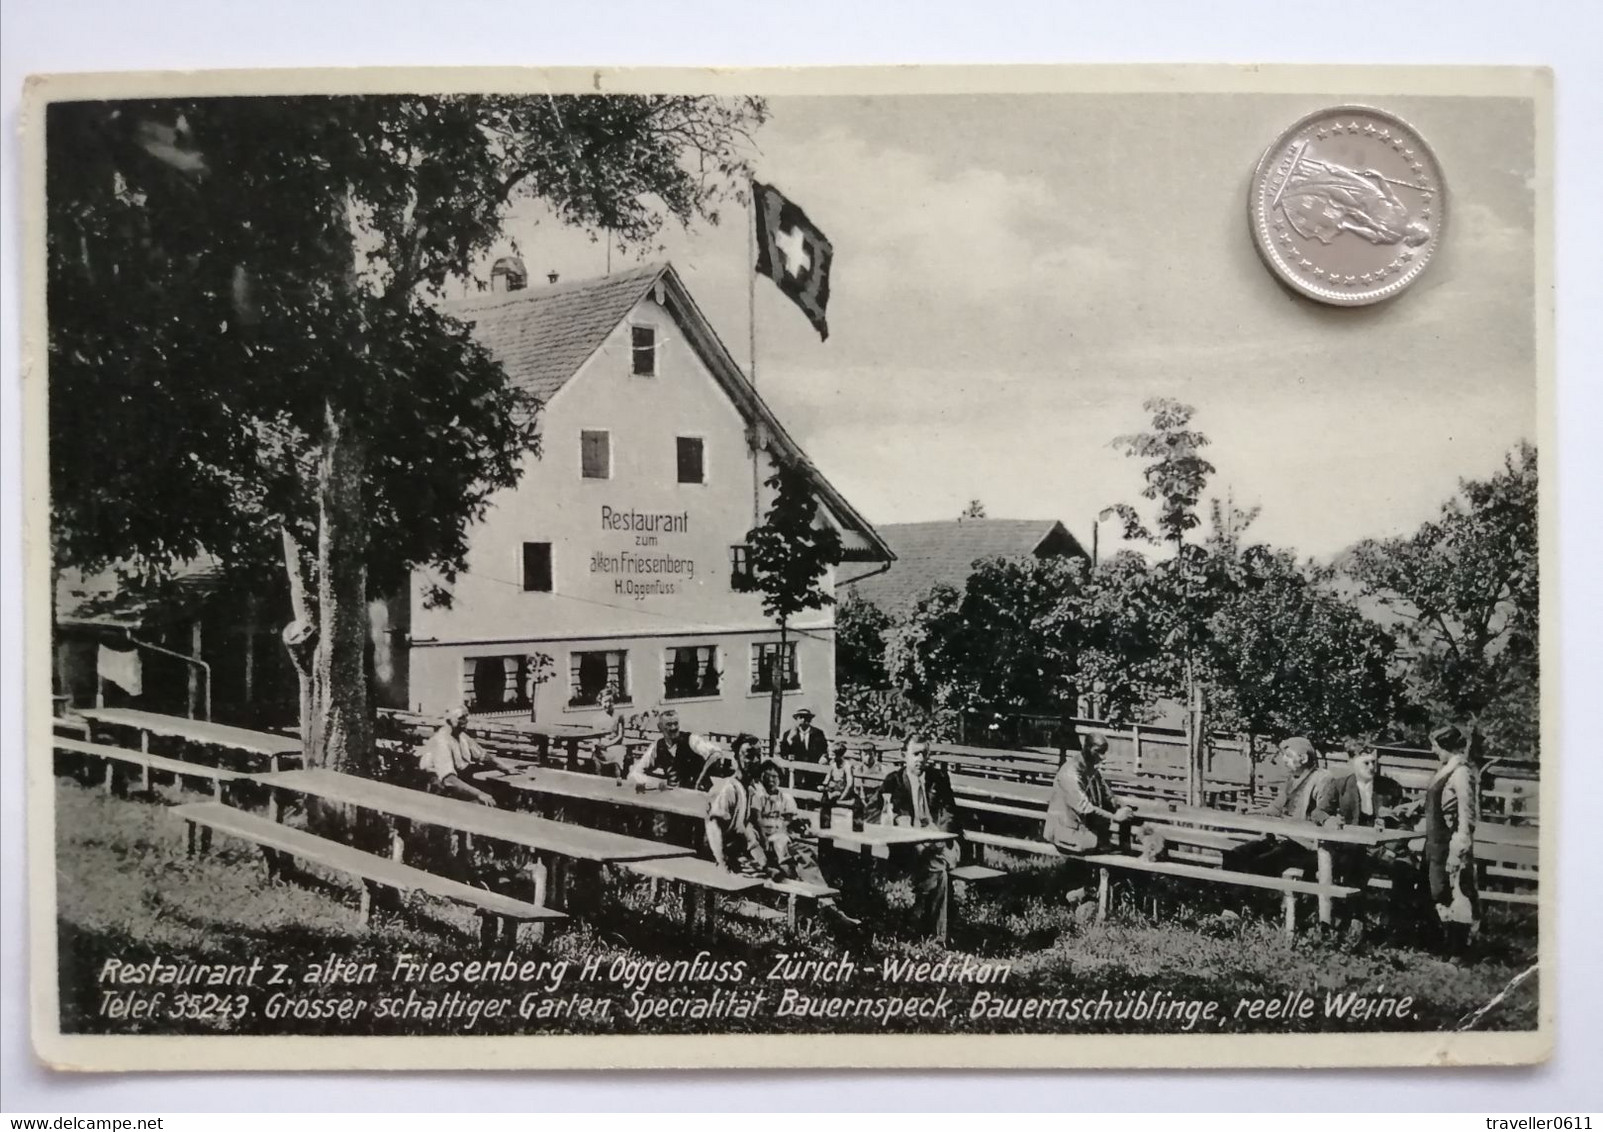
778, 673
300, 635
341, 736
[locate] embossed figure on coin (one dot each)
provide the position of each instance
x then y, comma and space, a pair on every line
1321, 200
1348, 205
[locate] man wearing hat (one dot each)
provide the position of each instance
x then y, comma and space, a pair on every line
1296, 800
453, 759
1451, 808
804, 742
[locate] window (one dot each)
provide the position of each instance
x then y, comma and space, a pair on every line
764, 656
643, 351
590, 672
537, 567
739, 567
690, 671
497, 684
692, 469
595, 454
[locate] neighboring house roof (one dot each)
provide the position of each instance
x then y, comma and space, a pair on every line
102, 599
944, 552
542, 336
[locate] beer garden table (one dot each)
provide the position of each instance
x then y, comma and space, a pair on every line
570, 735
1322, 836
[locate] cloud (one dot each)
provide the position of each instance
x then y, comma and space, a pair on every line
908, 224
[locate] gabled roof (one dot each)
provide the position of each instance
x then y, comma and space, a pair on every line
542, 336
944, 552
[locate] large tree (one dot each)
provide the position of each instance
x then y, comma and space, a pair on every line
247, 357
1465, 590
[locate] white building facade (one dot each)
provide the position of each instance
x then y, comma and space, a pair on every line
612, 561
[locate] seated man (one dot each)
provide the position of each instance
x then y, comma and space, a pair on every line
1082, 812
1364, 797
1272, 855
920, 794
454, 760
678, 758
729, 832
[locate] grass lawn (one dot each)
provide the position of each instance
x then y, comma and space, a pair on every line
126, 890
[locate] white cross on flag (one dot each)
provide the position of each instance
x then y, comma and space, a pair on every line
793, 253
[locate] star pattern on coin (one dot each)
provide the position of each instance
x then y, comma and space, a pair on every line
1284, 215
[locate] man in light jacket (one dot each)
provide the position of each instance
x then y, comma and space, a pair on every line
1082, 812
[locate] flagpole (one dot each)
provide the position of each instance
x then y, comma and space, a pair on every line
751, 345
751, 284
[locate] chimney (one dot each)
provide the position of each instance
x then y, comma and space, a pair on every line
508, 274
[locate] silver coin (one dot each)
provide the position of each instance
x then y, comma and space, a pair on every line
1348, 205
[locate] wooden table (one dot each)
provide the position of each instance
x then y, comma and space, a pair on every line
557, 840
148, 723
570, 735
1322, 836
873, 839
675, 800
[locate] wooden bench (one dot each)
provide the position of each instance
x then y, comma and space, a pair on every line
147, 762
703, 884
500, 916
1290, 886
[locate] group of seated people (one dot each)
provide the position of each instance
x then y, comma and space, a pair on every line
754, 825
1084, 817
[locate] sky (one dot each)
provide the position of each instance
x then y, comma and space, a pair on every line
1015, 274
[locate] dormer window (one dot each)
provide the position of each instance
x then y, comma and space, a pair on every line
643, 351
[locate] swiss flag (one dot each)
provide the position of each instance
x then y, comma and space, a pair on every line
793, 253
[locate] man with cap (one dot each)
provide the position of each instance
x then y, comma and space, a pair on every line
454, 759
804, 742
728, 827
1451, 809
1272, 855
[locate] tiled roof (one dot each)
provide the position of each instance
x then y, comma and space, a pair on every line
945, 552
542, 335
102, 598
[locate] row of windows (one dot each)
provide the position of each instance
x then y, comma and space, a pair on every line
595, 456
505, 683
537, 573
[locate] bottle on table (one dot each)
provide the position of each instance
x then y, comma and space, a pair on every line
826, 810
857, 814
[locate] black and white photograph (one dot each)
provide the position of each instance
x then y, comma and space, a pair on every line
980, 567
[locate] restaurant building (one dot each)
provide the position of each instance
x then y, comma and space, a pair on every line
612, 561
